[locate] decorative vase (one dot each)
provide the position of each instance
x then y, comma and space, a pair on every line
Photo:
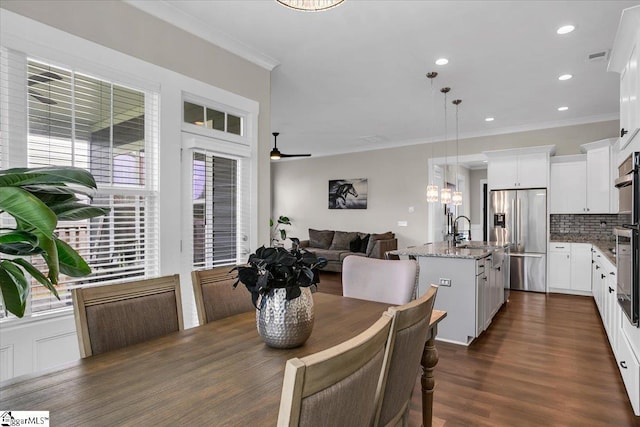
282, 323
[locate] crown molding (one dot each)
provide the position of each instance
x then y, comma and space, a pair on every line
478, 134
166, 11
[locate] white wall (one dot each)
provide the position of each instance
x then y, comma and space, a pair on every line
116, 25
397, 181
108, 38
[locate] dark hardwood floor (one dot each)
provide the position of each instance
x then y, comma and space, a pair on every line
545, 361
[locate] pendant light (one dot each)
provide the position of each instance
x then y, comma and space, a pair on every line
432, 189
457, 195
445, 193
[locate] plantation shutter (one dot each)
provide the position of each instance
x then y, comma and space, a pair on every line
111, 130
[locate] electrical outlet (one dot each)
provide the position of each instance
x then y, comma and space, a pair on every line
402, 223
445, 282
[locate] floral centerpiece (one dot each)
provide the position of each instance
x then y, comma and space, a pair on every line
279, 280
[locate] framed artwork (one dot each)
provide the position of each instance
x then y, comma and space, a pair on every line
348, 193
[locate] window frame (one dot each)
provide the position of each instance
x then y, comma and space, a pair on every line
16, 154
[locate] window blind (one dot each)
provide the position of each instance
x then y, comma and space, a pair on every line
73, 119
220, 210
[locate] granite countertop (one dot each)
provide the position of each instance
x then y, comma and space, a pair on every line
604, 245
468, 250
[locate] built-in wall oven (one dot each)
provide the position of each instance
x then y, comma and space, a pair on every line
628, 237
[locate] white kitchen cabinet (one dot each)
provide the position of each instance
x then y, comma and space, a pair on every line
624, 338
560, 266
624, 60
630, 372
483, 297
580, 271
567, 182
599, 180
569, 268
507, 170
467, 294
584, 183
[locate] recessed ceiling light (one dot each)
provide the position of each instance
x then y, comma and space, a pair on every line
489, 119
565, 29
565, 77
563, 108
442, 61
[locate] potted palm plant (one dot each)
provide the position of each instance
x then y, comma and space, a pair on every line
37, 199
279, 281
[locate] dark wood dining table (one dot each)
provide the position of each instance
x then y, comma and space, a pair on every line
218, 374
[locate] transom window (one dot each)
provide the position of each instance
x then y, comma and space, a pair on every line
201, 115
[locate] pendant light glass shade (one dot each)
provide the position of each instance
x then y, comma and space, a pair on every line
445, 196
445, 193
456, 198
432, 193
457, 195
432, 189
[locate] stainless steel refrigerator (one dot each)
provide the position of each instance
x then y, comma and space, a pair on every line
519, 217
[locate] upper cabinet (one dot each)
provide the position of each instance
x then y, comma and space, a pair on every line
568, 173
584, 183
518, 168
624, 60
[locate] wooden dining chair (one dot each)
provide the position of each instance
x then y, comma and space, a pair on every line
373, 279
113, 316
216, 298
337, 386
404, 352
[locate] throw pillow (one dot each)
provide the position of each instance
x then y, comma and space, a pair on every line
341, 240
364, 242
320, 238
374, 237
355, 244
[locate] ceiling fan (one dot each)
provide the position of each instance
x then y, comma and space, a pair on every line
276, 154
43, 77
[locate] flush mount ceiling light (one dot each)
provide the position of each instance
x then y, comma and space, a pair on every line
563, 108
489, 119
310, 5
565, 77
442, 61
565, 29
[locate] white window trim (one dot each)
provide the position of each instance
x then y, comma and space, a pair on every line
57, 47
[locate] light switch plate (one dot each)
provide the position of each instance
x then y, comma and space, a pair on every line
445, 282
402, 223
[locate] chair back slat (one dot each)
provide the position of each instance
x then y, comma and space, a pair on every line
408, 337
337, 386
114, 316
215, 296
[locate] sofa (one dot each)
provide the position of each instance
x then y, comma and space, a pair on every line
335, 246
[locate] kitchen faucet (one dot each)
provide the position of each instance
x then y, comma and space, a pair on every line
455, 228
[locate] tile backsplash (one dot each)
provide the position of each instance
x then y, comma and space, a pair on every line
590, 226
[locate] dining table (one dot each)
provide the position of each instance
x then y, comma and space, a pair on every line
217, 374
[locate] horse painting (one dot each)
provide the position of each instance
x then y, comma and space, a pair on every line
343, 195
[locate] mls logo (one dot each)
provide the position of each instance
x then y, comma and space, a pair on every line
6, 418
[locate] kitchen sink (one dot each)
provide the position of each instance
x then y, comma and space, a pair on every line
473, 245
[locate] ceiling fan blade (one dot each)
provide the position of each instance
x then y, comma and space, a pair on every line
276, 154
41, 98
295, 155
43, 77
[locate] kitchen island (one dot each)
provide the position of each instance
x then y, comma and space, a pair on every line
473, 280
